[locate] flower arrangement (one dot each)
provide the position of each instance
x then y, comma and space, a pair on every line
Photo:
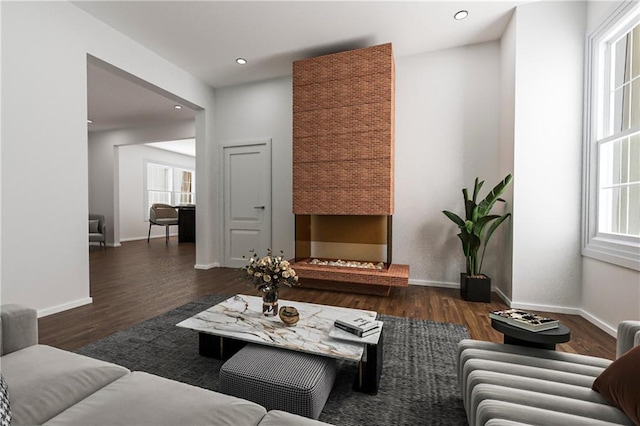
268, 272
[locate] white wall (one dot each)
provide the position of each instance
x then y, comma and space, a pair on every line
264, 111
447, 124
507, 121
610, 293
44, 62
131, 170
547, 156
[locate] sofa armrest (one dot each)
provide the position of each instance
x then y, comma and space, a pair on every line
19, 328
628, 336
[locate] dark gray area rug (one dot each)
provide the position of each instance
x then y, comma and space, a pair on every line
418, 385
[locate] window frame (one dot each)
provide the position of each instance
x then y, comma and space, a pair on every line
174, 194
621, 250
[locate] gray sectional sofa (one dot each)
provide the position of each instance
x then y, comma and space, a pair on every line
54, 387
514, 385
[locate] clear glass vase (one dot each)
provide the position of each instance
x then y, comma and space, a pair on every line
270, 301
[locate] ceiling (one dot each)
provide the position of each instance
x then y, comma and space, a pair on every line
183, 146
205, 37
115, 102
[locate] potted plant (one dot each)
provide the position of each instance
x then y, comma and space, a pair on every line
475, 231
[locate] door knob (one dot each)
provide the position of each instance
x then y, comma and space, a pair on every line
259, 207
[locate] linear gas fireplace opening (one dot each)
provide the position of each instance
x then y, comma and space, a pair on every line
347, 253
350, 241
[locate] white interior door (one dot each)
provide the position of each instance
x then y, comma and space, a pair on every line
247, 201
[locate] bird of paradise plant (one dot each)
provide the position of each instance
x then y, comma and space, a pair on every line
478, 225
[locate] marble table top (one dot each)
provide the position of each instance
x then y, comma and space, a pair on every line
240, 317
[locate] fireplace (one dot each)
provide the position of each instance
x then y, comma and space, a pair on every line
360, 240
343, 169
347, 253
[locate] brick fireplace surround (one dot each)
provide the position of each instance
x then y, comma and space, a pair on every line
343, 157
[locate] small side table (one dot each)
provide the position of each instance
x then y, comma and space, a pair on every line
546, 339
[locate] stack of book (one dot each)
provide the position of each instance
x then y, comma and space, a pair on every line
524, 320
361, 326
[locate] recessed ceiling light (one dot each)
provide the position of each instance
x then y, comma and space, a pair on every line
241, 61
177, 106
460, 15
89, 121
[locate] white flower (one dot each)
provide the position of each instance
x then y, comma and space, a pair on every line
266, 278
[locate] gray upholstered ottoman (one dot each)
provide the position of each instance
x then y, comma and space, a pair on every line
279, 379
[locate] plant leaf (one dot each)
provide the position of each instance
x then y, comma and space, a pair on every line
469, 209
482, 222
476, 189
454, 217
488, 202
490, 232
494, 226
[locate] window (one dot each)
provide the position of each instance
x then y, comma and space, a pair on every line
168, 185
612, 164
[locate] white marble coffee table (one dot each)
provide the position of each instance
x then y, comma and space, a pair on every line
227, 326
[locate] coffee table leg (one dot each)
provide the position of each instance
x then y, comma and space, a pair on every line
370, 368
218, 347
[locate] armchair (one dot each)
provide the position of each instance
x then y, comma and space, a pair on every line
162, 215
97, 229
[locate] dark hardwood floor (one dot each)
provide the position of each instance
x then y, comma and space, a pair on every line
141, 280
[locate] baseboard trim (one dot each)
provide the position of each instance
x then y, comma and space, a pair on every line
92, 244
547, 308
64, 307
124, 240
502, 296
427, 283
599, 323
207, 266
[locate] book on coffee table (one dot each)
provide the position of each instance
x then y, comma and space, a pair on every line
524, 320
357, 332
359, 325
372, 339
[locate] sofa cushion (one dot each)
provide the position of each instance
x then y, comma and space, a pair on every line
167, 221
45, 381
19, 327
495, 412
5, 407
570, 405
96, 238
144, 399
93, 226
620, 384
